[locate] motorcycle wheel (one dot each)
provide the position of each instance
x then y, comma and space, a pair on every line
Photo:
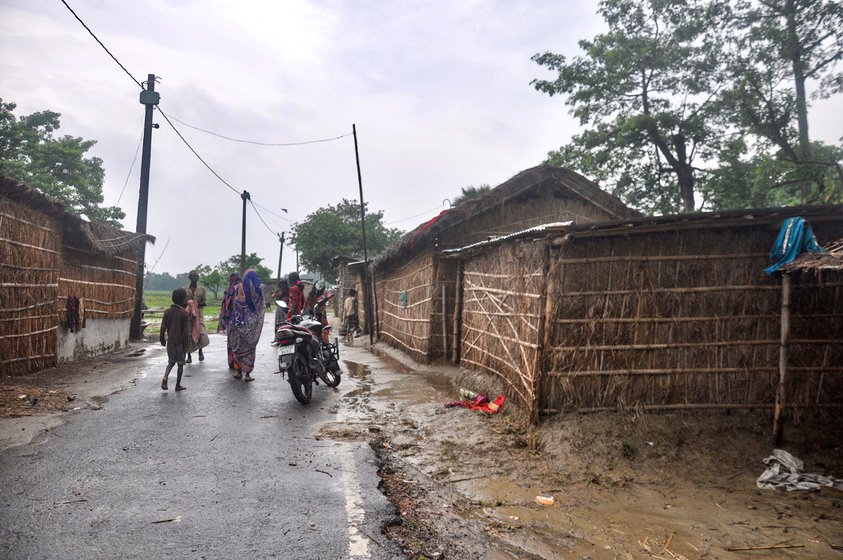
331, 378
300, 381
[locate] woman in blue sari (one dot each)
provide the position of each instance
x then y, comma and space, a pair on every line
246, 323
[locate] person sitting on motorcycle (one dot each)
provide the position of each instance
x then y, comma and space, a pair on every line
317, 293
281, 294
296, 304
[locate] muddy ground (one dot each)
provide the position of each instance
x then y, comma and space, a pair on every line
667, 486
624, 486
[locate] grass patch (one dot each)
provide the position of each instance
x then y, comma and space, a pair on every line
159, 300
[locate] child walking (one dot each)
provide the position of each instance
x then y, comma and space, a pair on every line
175, 335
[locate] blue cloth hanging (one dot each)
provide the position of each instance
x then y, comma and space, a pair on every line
795, 237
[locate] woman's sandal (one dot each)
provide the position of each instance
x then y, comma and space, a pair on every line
238, 375
249, 377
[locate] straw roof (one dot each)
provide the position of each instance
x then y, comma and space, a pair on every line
830, 260
96, 236
531, 183
771, 217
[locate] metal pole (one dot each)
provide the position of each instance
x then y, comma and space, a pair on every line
245, 197
149, 100
369, 290
280, 256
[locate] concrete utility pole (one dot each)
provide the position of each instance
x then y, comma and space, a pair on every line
149, 98
367, 283
280, 256
245, 197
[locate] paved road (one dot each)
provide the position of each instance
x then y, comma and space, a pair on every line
224, 470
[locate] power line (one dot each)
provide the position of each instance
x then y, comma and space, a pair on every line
259, 143
411, 217
186, 143
267, 210
134, 159
114, 58
261, 218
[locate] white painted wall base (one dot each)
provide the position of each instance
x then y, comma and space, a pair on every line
99, 336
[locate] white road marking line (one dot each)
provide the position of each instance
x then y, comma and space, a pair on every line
358, 543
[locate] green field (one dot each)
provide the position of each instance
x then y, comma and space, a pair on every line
159, 300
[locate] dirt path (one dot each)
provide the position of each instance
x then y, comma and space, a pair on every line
661, 486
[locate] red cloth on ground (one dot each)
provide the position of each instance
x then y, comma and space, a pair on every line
481, 402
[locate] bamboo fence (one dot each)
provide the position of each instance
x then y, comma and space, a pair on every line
682, 319
405, 299
501, 316
30, 260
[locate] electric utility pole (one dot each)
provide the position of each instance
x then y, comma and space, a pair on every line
370, 289
149, 98
280, 256
245, 197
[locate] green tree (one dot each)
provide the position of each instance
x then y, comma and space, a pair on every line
335, 230
780, 48
232, 266
30, 153
644, 92
211, 278
469, 192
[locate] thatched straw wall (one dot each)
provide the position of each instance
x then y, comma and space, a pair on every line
442, 316
106, 284
30, 256
683, 319
405, 299
502, 309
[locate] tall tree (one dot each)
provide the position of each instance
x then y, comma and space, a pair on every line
335, 230
30, 153
781, 48
643, 90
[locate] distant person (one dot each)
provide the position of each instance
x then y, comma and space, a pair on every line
350, 317
198, 293
175, 332
226, 308
244, 329
317, 294
281, 294
296, 304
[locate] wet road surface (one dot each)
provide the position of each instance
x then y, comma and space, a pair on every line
225, 469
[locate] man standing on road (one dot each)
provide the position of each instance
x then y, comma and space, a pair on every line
199, 294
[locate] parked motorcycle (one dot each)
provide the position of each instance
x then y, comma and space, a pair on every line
306, 353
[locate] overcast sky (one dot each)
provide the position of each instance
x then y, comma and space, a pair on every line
439, 91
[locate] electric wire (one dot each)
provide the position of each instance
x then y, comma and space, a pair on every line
114, 58
411, 217
268, 211
260, 143
129, 174
186, 143
262, 220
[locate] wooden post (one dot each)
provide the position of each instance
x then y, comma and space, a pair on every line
444, 327
784, 350
455, 346
545, 319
